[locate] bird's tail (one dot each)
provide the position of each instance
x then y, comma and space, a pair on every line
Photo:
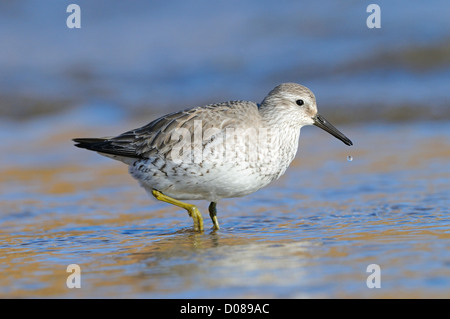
108, 147
91, 144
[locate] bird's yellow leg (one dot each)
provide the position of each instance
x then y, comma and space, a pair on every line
213, 214
191, 209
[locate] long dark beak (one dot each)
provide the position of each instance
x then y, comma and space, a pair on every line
321, 122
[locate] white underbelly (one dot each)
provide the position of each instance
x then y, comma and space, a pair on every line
200, 181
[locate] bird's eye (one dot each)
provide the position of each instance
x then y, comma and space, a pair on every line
300, 102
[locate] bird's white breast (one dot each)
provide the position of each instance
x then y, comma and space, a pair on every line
228, 166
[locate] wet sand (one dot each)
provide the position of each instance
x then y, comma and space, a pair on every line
310, 234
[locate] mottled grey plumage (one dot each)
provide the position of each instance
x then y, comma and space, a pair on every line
216, 151
155, 138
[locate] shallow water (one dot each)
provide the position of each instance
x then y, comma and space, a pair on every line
310, 234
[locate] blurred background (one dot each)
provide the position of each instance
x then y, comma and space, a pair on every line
131, 61
148, 56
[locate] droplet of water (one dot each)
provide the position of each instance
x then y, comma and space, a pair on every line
349, 158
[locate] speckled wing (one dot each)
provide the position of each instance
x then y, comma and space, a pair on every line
156, 139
